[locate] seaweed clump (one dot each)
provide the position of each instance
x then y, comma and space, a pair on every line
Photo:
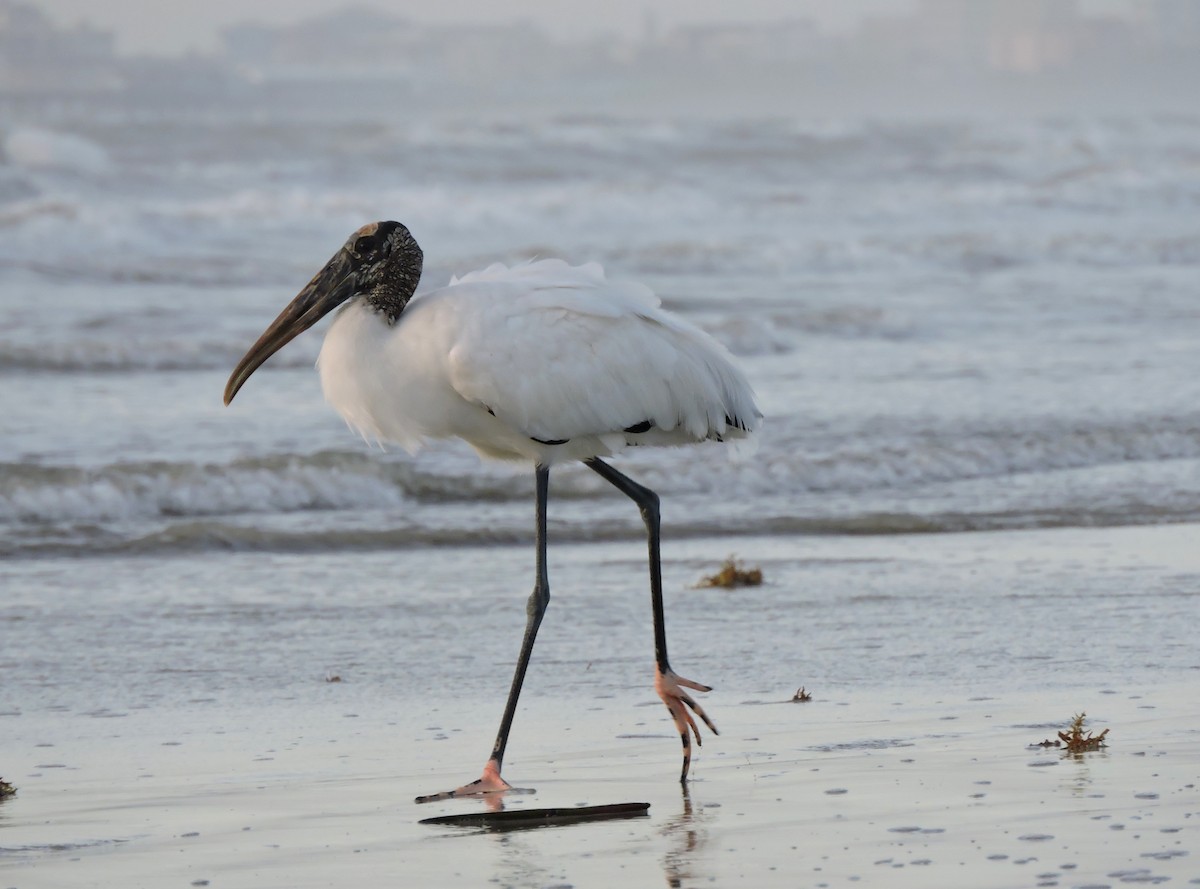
6, 789
1075, 739
733, 574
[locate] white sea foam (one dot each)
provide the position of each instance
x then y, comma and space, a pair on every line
40, 149
353, 480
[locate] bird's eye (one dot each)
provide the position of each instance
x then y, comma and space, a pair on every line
364, 245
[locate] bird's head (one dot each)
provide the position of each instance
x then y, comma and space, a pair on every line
380, 262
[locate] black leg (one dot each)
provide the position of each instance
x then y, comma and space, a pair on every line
647, 502
669, 686
534, 609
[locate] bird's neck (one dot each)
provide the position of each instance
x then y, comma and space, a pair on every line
389, 304
396, 288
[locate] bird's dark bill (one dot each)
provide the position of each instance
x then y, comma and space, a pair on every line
328, 289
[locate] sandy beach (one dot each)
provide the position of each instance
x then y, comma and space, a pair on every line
911, 766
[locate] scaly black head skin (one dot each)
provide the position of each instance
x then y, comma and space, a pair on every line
386, 265
381, 262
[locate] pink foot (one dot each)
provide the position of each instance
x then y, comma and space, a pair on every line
489, 782
670, 688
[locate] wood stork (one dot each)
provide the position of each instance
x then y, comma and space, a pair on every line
543, 362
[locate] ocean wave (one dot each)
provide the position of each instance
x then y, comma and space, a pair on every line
988, 452
651, 226
788, 463
40, 149
395, 531
38, 494
126, 355
21, 205
110, 264
588, 175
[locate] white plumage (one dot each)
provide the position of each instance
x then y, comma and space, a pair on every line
543, 362
511, 358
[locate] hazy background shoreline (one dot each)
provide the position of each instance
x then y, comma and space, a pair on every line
925, 57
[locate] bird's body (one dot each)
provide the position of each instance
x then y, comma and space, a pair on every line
542, 362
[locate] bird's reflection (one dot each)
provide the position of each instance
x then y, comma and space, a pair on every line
687, 834
520, 861
521, 852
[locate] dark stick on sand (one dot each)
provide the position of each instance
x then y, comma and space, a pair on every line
522, 819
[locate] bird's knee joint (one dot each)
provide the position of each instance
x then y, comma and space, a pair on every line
538, 600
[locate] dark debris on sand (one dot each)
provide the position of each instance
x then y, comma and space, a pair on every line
733, 574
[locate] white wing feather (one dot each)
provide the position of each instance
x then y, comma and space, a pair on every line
561, 352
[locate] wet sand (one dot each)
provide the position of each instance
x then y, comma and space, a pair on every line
887, 781
865, 789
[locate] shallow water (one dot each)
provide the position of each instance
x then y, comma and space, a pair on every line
986, 611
